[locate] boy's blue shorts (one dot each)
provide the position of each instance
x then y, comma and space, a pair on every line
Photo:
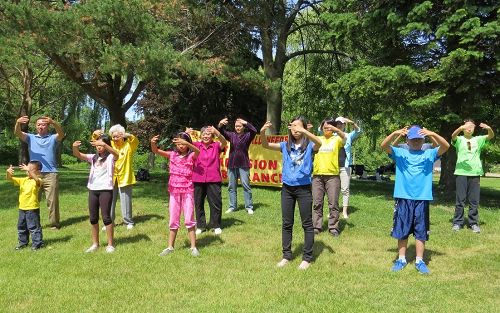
411, 217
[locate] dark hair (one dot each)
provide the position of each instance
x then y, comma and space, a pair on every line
304, 141
185, 136
469, 120
329, 121
38, 164
107, 140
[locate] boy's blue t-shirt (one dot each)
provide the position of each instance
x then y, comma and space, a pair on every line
297, 165
413, 173
43, 149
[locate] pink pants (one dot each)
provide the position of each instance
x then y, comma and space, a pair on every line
181, 202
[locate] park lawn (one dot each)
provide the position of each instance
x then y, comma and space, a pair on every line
237, 272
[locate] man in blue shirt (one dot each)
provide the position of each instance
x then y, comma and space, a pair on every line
42, 147
413, 190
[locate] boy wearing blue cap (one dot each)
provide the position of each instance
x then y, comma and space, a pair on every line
413, 190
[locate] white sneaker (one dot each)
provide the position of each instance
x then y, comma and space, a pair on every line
103, 228
166, 251
230, 210
130, 226
250, 211
304, 265
93, 248
218, 231
194, 252
282, 263
110, 249
198, 231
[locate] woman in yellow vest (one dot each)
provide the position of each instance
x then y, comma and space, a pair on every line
326, 177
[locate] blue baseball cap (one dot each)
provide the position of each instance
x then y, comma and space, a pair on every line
413, 133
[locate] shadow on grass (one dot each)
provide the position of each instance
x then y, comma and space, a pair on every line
256, 206
132, 239
74, 220
147, 217
230, 222
205, 240
343, 223
410, 254
52, 241
319, 247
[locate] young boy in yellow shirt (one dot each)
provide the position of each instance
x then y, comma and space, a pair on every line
29, 205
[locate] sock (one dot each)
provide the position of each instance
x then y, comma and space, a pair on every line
418, 259
402, 258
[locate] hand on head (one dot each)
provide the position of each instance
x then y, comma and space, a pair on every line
155, 139
224, 122
242, 121
484, 126
23, 119
23, 167
266, 126
178, 140
295, 127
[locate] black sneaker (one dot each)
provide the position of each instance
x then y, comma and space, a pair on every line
34, 248
335, 233
21, 246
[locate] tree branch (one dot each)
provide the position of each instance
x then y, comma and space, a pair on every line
310, 51
126, 87
138, 90
292, 30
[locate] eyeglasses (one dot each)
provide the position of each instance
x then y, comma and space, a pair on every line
468, 145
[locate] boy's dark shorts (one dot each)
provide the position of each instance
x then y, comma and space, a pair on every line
411, 217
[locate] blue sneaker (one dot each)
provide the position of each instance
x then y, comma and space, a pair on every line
398, 265
422, 268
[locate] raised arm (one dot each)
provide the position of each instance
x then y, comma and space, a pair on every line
263, 138
107, 147
154, 147
216, 132
354, 125
456, 132
17, 128
76, 151
9, 173
317, 142
249, 126
491, 134
441, 142
187, 143
59, 131
386, 144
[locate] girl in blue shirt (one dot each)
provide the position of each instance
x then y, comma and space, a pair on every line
296, 172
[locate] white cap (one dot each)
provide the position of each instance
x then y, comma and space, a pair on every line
340, 119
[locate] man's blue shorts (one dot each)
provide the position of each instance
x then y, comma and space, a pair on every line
411, 217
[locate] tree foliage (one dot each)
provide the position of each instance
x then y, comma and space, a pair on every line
430, 63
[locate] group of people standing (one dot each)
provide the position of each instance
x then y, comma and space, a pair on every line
312, 166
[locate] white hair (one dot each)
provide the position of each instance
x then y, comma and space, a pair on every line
116, 129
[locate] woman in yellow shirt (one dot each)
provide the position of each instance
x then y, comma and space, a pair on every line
126, 144
326, 177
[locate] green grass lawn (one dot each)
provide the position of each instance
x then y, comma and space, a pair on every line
237, 272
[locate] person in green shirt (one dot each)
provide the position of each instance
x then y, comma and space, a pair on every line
468, 171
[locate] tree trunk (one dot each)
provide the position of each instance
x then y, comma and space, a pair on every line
447, 179
117, 114
26, 108
274, 102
